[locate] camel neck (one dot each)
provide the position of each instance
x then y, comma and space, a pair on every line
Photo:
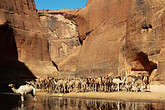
14, 90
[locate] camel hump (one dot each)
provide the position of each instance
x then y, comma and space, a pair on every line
28, 85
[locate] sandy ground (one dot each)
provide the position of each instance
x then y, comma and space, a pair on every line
125, 96
157, 94
157, 88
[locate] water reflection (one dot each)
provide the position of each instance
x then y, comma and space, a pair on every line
12, 102
26, 106
88, 104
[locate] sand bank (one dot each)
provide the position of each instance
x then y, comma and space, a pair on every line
157, 94
125, 96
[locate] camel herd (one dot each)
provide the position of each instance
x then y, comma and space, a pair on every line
93, 84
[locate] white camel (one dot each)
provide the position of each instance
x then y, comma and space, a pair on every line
23, 90
117, 81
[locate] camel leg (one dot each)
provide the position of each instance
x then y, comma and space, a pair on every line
22, 98
118, 87
145, 87
109, 88
102, 88
105, 88
34, 95
95, 87
59, 89
22, 105
69, 90
56, 89
64, 89
35, 98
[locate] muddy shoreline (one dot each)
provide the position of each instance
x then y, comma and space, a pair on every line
122, 96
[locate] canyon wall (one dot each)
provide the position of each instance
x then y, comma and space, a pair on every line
102, 27
23, 41
122, 37
118, 37
144, 39
63, 37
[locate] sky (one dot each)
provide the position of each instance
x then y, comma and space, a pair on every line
59, 4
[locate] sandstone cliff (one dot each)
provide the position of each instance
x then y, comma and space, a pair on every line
23, 41
62, 36
102, 26
118, 37
122, 37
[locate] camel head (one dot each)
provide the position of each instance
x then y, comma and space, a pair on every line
28, 82
11, 85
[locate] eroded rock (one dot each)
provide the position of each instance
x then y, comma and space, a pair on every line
63, 37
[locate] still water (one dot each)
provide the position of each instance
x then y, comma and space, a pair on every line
12, 102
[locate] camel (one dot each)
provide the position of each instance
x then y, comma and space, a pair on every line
83, 85
61, 86
23, 90
138, 85
70, 85
117, 81
145, 79
77, 85
108, 84
129, 81
88, 84
98, 84
103, 81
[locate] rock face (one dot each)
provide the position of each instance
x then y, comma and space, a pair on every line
144, 38
122, 37
23, 41
102, 27
107, 37
63, 37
